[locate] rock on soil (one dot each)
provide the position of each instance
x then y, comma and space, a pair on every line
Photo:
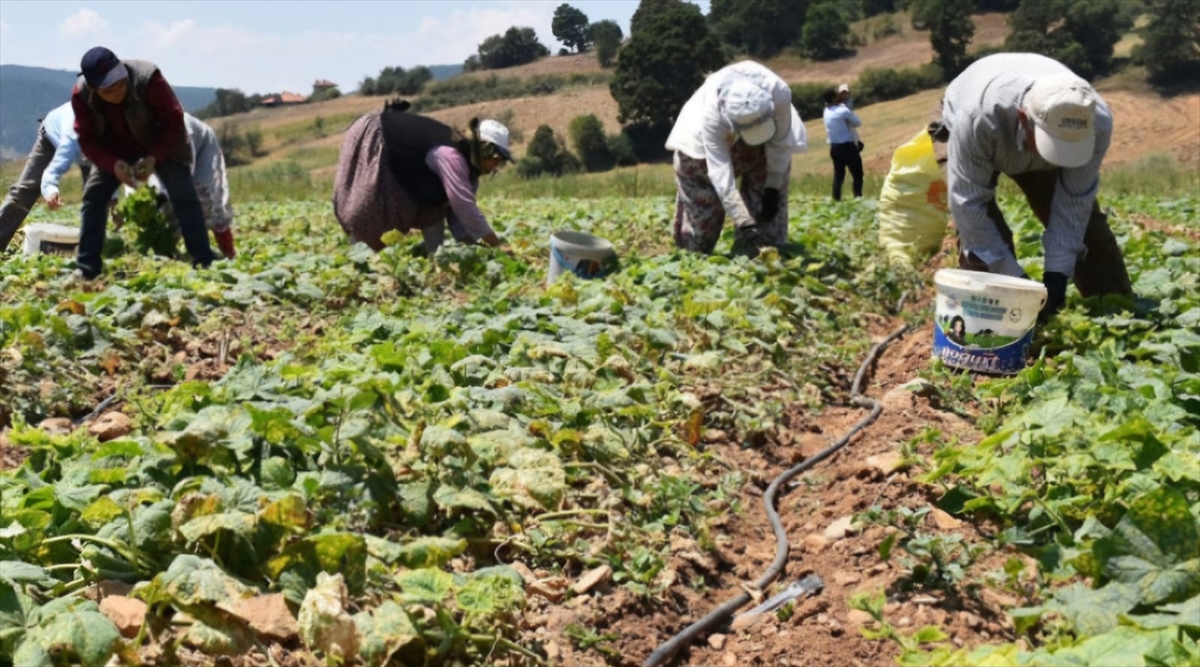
838, 529
590, 579
110, 426
128, 614
268, 616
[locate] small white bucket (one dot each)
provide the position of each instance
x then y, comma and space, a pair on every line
584, 255
984, 321
44, 237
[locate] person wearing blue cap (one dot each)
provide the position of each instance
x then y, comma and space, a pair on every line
739, 123
56, 149
130, 126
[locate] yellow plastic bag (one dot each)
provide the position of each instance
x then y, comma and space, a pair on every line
913, 212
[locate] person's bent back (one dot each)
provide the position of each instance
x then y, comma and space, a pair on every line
130, 125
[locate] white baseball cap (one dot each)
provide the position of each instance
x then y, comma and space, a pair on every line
844, 88
1063, 111
751, 111
494, 132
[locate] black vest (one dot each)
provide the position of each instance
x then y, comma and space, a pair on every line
407, 139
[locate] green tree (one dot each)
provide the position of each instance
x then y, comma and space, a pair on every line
570, 26
546, 155
1171, 40
671, 51
517, 46
761, 28
590, 143
950, 32
1080, 34
607, 36
826, 31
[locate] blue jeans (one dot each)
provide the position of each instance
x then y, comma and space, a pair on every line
99, 189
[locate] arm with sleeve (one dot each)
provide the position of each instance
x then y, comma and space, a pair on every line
66, 154
713, 136
451, 167
969, 170
89, 138
780, 148
1071, 210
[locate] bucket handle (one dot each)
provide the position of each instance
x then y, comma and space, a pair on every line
586, 269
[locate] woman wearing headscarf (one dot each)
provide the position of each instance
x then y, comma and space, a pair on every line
402, 171
740, 123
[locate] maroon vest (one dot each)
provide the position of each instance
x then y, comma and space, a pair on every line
142, 122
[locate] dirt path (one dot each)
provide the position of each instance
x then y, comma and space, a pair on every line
822, 630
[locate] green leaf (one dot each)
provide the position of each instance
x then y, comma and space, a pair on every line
450, 498
425, 585
387, 633
1122, 647
1094, 611
1154, 546
83, 636
192, 582
534, 479
16, 573
238, 523
416, 553
331, 553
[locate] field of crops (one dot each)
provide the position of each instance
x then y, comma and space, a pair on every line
318, 455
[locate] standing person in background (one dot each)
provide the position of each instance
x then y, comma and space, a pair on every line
845, 149
54, 151
739, 123
1032, 118
402, 171
130, 125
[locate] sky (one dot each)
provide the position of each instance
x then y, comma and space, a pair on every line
263, 46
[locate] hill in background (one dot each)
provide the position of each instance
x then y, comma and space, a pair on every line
28, 93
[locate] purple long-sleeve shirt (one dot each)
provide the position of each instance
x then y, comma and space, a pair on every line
451, 166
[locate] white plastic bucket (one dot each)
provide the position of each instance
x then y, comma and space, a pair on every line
584, 255
984, 321
44, 237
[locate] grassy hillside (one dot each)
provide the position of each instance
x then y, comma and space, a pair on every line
300, 144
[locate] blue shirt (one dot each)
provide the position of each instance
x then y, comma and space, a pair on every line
840, 122
59, 128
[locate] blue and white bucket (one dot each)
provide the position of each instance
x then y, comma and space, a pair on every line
984, 321
584, 255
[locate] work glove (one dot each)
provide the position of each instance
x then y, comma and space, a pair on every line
225, 243
770, 205
861, 146
1056, 295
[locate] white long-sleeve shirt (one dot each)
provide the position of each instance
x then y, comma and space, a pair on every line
702, 132
981, 106
59, 128
840, 124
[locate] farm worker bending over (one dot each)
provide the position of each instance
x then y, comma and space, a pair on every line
398, 170
1030, 117
841, 126
212, 186
54, 151
130, 126
739, 123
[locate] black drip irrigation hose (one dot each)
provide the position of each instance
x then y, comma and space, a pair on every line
669, 648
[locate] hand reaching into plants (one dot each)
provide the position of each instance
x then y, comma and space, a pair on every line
144, 167
124, 173
1056, 295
